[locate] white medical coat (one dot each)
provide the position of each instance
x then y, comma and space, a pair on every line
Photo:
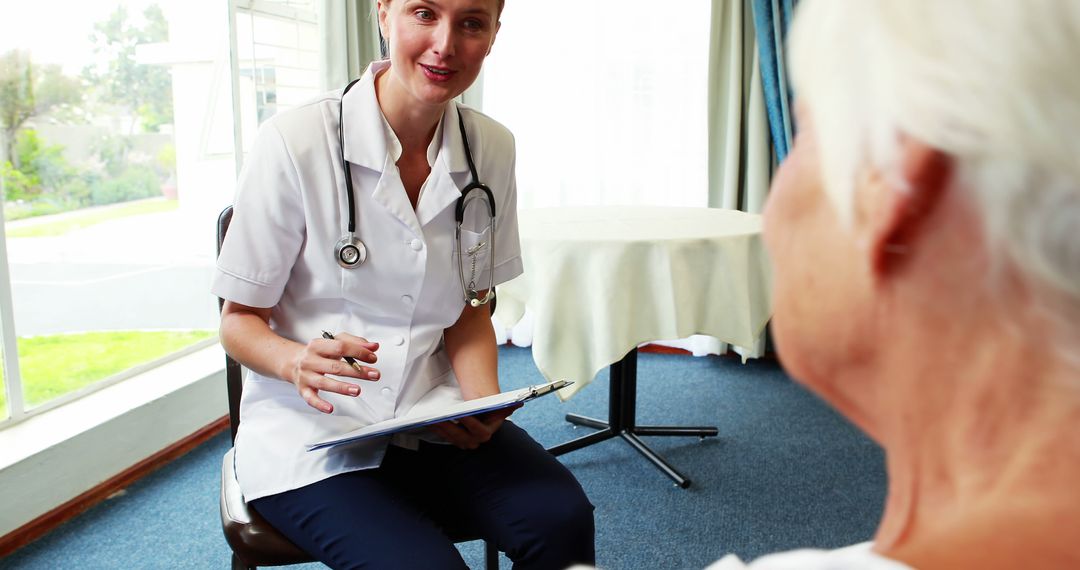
290, 210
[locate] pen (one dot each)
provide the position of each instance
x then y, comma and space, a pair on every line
350, 360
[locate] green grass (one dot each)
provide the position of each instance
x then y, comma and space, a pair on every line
86, 218
55, 365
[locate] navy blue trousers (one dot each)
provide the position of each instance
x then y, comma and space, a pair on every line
509, 491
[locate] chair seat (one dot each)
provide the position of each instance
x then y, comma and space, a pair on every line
252, 539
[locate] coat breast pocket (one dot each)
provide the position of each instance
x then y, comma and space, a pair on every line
472, 259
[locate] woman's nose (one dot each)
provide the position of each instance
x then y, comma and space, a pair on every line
443, 42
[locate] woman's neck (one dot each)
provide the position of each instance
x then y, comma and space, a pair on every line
413, 124
993, 463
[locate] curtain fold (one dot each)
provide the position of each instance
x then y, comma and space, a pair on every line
772, 19
349, 40
364, 47
740, 159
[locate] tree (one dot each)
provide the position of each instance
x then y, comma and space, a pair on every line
27, 91
42, 169
143, 91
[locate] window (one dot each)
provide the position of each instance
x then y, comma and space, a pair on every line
607, 100
278, 52
118, 150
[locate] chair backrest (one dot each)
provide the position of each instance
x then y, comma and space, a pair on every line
234, 378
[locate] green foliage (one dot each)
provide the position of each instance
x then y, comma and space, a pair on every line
113, 150
136, 181
166, 159
16, 89
41, 169
36, 177
45, 183
145, 91
26, 91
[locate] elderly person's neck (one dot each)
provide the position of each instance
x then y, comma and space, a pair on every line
978, 412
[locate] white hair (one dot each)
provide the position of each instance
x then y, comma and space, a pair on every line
996, 85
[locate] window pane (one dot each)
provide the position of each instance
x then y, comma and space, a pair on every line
118, 122
612, 109
3, 392
277, 43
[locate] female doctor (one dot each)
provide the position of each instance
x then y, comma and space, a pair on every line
353, 231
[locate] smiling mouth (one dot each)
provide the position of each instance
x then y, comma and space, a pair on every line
439, 71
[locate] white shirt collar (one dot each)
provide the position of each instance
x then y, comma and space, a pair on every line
361, 107
393, 144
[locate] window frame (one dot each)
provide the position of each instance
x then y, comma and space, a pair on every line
16, 410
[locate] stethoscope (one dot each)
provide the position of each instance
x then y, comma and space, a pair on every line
350, 252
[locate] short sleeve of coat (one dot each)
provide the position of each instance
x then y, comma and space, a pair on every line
268, 226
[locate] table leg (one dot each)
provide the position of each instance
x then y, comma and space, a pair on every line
586, 421
622, 421
658, 461
583, 441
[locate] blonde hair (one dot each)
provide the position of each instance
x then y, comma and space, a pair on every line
994, 85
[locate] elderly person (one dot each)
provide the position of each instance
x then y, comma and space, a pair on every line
926, 237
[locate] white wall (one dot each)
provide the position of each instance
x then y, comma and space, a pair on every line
55, 457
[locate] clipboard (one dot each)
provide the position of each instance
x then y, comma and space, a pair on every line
424, 418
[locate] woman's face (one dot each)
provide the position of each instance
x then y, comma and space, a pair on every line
437, 47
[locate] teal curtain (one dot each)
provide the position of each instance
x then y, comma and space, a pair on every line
772, 19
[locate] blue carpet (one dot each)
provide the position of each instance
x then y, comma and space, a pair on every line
785, 472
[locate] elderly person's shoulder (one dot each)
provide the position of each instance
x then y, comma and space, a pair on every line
859, 556
856, 557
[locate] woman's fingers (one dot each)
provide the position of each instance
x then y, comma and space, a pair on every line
471, 432
345, 344
325, 360
327, 357
456, 435
311, 383
341, 368
476, 428
499, 415
312, 398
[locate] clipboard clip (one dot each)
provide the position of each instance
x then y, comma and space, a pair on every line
542, 389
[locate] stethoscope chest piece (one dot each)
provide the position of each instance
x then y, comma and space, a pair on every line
350, 252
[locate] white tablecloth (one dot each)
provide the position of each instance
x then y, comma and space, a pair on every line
602, 280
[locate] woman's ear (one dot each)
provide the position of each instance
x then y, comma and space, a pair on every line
893, 220
384, 28
498, 26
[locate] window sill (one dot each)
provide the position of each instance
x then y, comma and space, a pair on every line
57, 455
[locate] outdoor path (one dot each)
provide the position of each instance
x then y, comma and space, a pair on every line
150, 271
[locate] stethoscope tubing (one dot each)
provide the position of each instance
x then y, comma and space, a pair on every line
351, 252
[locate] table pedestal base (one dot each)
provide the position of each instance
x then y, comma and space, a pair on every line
622, 404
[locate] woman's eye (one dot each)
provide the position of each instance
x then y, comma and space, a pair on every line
474, 25
425, 15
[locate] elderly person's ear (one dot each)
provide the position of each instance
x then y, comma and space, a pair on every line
897, 209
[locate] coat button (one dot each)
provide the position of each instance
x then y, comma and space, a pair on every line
387, 392
416, 245
399, 340
406, 299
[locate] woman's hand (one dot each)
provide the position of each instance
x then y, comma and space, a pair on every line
325, 356
471, 431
